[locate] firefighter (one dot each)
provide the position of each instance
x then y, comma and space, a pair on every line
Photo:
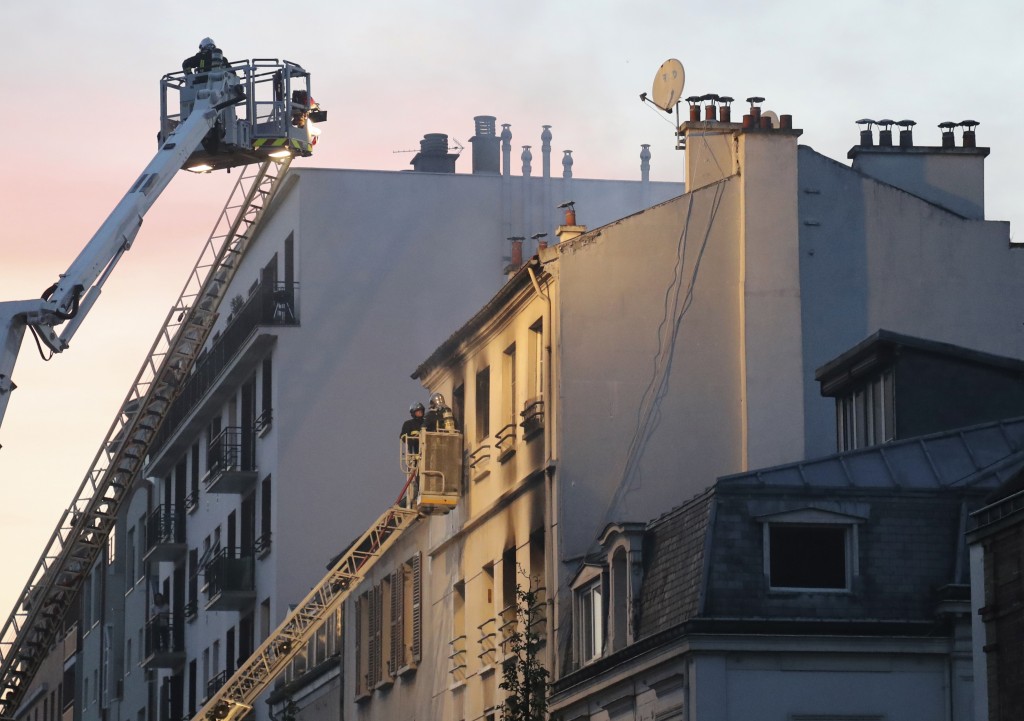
440, 416
208, 58
412, 428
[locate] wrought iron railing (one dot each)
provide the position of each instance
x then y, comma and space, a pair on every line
269, 304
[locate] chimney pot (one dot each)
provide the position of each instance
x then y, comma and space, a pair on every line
786, 122
866, 139
709, 112
948, 141
969, 138
906, 133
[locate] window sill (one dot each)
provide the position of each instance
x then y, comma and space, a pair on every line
480, 476
363, 696
787, 591
407, 669
505, 455
456, 685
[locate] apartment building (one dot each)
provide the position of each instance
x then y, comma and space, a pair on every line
622, 370
282, 443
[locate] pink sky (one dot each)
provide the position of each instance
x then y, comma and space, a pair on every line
80, 117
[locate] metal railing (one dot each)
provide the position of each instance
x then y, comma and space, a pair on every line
457, 659
229, 451
270, 304
229, 572
166, 524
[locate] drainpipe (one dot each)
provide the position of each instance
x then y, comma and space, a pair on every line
550, 556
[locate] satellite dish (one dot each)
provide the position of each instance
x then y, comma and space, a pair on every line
774, 117
668, 85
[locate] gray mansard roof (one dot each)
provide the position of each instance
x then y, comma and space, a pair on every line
704, 561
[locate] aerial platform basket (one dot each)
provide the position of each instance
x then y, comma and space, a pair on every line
440, 471
270, 112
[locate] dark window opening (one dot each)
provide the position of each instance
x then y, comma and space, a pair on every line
807, 556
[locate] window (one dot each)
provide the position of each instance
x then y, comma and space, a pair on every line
807, 556
535, 379
811, 549
866, 416
112, 546
590, 607
140, 572
263, 542
483, 404
509, 385
129, 565
388, 627
266, 394
192, 500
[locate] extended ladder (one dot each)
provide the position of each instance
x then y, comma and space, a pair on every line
84, 527
235, 698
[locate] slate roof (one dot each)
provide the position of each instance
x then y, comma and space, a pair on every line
704, 559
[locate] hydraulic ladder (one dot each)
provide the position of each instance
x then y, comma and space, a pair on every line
235, 698
83, 529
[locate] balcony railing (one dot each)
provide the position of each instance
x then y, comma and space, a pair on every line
262, 545
488, 642
215, 683
230, 461
165, 642
479, 461
230, 581
533, 417
270, 304
165, 534
457, 660
505, 442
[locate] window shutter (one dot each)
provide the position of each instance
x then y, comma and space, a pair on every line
360, 679
397, 621
417, 607
373, 672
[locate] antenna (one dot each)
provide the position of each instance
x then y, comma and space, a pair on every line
668, 85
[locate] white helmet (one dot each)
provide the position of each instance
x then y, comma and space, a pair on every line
206, 44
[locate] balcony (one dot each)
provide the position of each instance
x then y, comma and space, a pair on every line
230, 581
214, 684
533, 417
230, 462
165, 642
235, 352
165, 534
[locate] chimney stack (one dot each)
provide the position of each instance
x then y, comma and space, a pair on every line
515, 260
570, 230
486, 153
434, 156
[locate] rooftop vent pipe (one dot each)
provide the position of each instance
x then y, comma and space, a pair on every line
755, 112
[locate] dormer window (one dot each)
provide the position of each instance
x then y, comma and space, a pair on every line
865, 415
810, 550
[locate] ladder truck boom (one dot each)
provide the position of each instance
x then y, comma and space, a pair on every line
71, 297
257, 114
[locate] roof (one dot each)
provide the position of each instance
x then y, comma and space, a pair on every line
881, 346
703, 558
986, 454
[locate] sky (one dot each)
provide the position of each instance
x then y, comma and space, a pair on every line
80, 112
